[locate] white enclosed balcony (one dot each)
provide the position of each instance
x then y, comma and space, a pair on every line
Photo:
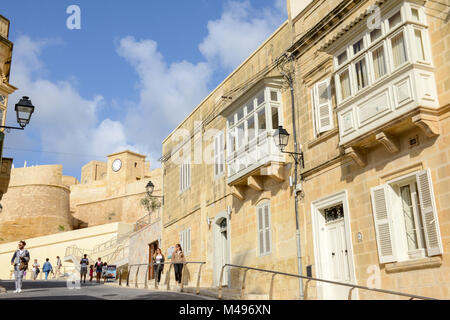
384, 77
251, 123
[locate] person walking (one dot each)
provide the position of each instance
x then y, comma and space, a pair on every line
104, 271
158, 264
58, 267
20, 260
98, 269
84, 262
47, 268
36, 269
178, 259
91, 272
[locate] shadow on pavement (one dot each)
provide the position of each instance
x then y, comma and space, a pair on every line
79, 297
29, 284
167, 296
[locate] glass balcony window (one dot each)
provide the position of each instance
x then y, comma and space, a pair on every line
249, 137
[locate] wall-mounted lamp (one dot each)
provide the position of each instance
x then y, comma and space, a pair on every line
150, 187
24, 109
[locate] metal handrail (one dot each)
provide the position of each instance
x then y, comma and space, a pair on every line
274, 273
116, 240
148, 265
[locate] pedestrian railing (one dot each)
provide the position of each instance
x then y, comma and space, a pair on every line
152, 265
308, 280
115, 241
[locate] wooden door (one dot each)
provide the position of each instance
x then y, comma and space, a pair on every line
152, 249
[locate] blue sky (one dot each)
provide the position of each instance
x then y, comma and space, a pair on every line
128, 77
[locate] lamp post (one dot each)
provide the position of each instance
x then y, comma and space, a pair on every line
281, 137
150, 187
24, 109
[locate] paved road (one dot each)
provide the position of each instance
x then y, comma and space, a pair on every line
49, 290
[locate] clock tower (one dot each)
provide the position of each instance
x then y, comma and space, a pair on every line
123, 168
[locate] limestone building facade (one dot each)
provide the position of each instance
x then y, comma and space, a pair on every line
371, 106
6, 48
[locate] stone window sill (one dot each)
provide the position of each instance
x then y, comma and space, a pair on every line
323, 137
432, 262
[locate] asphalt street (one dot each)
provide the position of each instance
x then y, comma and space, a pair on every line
60, 290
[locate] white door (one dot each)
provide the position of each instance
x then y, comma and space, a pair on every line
224, 245
335, 257
221, 248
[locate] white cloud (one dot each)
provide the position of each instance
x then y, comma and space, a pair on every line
168, 92
239, 31
65, 121
68, 122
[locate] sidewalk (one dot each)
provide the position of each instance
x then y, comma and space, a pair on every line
227, 294
187, 290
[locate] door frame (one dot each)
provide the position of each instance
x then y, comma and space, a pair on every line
216, 236
316, 206
155, 244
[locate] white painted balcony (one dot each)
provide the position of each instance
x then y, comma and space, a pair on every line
251, 123
384, 78
412, 87
260, 153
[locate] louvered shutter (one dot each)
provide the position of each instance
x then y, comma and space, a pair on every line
216, 155
181, 239
188, 241
383, 224
267, 229
314, 112
429, 213
323, 107
261, 230
221, 153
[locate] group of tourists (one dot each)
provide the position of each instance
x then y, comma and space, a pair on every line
21, 258
47, 268
100, 268
20, 261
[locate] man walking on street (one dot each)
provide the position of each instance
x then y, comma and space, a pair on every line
20, 261
84, 264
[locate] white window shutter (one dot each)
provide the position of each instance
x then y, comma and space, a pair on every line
323, 106
221, 153
383, 224
189, 240
429, 213
267, 229
261, 230
181, 239
314, 113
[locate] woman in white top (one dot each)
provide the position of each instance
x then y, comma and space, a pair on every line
158, 264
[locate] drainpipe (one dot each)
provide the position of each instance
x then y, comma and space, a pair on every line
297, 162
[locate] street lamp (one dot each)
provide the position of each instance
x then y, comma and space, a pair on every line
24, 109
281, 137
150, 187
